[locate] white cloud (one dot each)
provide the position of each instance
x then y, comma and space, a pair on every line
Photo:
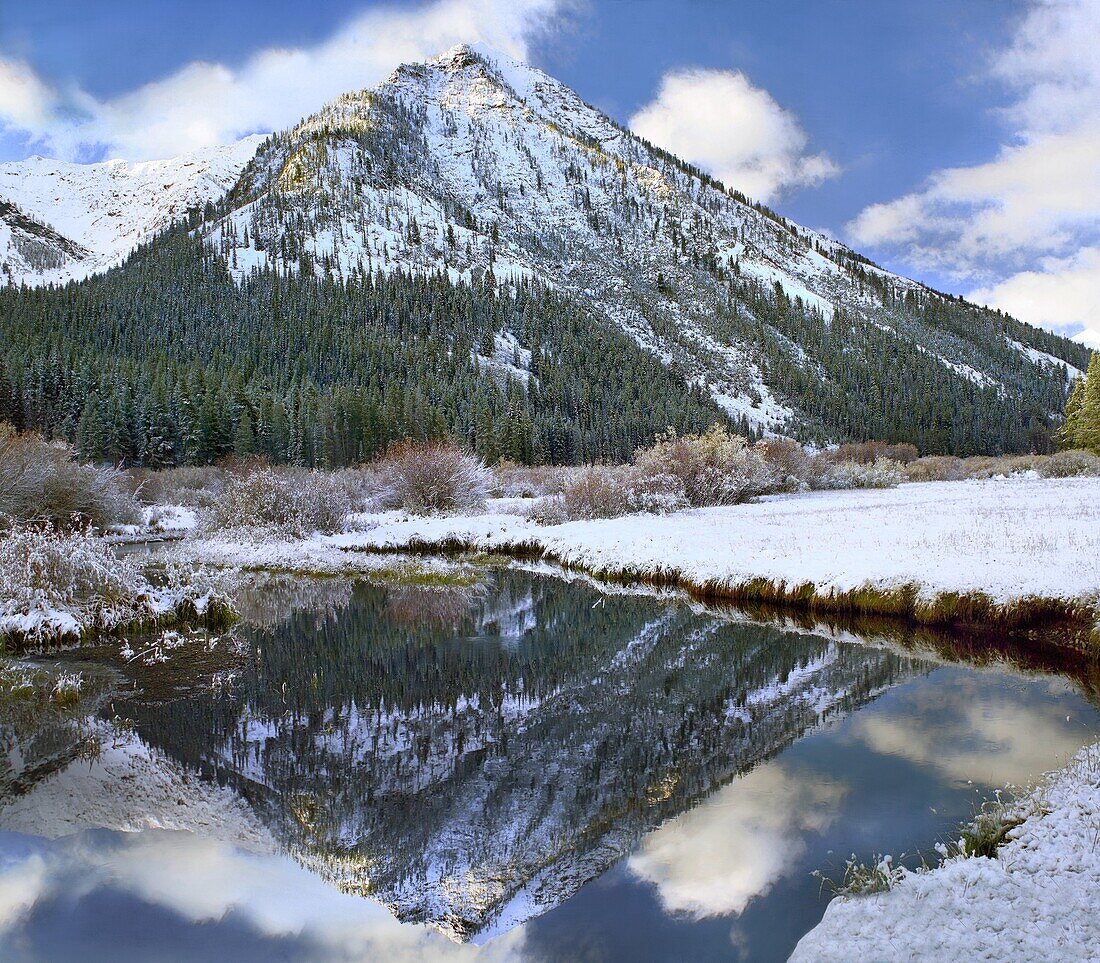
202, 881
997, 736
1024, 227
720, 121
1060, 293
204, 104
714, 859
26, 102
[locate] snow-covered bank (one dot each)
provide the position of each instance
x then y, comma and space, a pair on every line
1036, 900
62, 587
996, 552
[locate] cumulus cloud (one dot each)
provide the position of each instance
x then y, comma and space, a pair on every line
204, 104
720, 121
1058, 293
714, 859
1023, 227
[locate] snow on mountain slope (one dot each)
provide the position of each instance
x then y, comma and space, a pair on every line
478, 166
60, 221
474, 162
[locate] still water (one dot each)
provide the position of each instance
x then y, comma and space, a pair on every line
525, 769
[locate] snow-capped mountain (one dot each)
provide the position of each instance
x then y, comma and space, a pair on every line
1090, 338
476, 166
61, 221
475, 162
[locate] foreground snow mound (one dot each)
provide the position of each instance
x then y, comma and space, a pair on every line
1035, 901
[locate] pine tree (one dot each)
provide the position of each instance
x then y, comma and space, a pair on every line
1082, 427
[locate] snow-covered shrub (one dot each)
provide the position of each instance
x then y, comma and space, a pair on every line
434, 476
998, 466
596, 491
510, 480
366, 487
791, 465
1069, 464
715, 468
549, 510
296, 501
655, 494
41, 481
850, 474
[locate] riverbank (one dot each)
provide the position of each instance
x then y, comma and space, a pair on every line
1035, 900
1006, 555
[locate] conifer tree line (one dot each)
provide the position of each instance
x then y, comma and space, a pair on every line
860, 379
1082, 427
168, 360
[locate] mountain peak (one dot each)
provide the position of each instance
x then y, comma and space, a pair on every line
475, 165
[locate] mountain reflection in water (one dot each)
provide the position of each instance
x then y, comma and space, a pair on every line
472, 757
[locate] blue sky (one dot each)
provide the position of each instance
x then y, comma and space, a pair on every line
926, 133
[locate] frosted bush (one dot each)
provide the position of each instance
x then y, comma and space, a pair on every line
510, 480
41, 481
549, 510
999, 466
596, 491
936, 468
40, 566
790, 464
196, 486
714, 468
292, 500
1069, 464
434, 476
655, 494
366, 487
849, 474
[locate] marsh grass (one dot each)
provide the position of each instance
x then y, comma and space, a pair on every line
69, 587
980, 837
862, 878
26, 689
